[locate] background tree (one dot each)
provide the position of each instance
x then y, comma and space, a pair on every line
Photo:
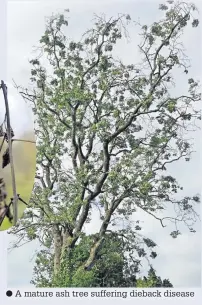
112, 267
153, 281
106, 133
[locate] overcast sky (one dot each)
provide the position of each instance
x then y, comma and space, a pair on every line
180, 259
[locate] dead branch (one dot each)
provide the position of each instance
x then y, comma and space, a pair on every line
15, 197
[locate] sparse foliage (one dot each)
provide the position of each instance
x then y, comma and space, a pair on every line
106, 134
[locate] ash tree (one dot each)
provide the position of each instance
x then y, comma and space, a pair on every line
106, 134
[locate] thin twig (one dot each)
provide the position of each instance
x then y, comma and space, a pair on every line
15, 197
2, 143
7, 207
20, 140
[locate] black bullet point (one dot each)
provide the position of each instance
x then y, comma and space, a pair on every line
9, 293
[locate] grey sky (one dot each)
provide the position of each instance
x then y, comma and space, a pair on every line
180, 259
20, 112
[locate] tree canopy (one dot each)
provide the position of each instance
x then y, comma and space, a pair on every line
106, 134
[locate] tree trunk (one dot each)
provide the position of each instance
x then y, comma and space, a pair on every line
57, 236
